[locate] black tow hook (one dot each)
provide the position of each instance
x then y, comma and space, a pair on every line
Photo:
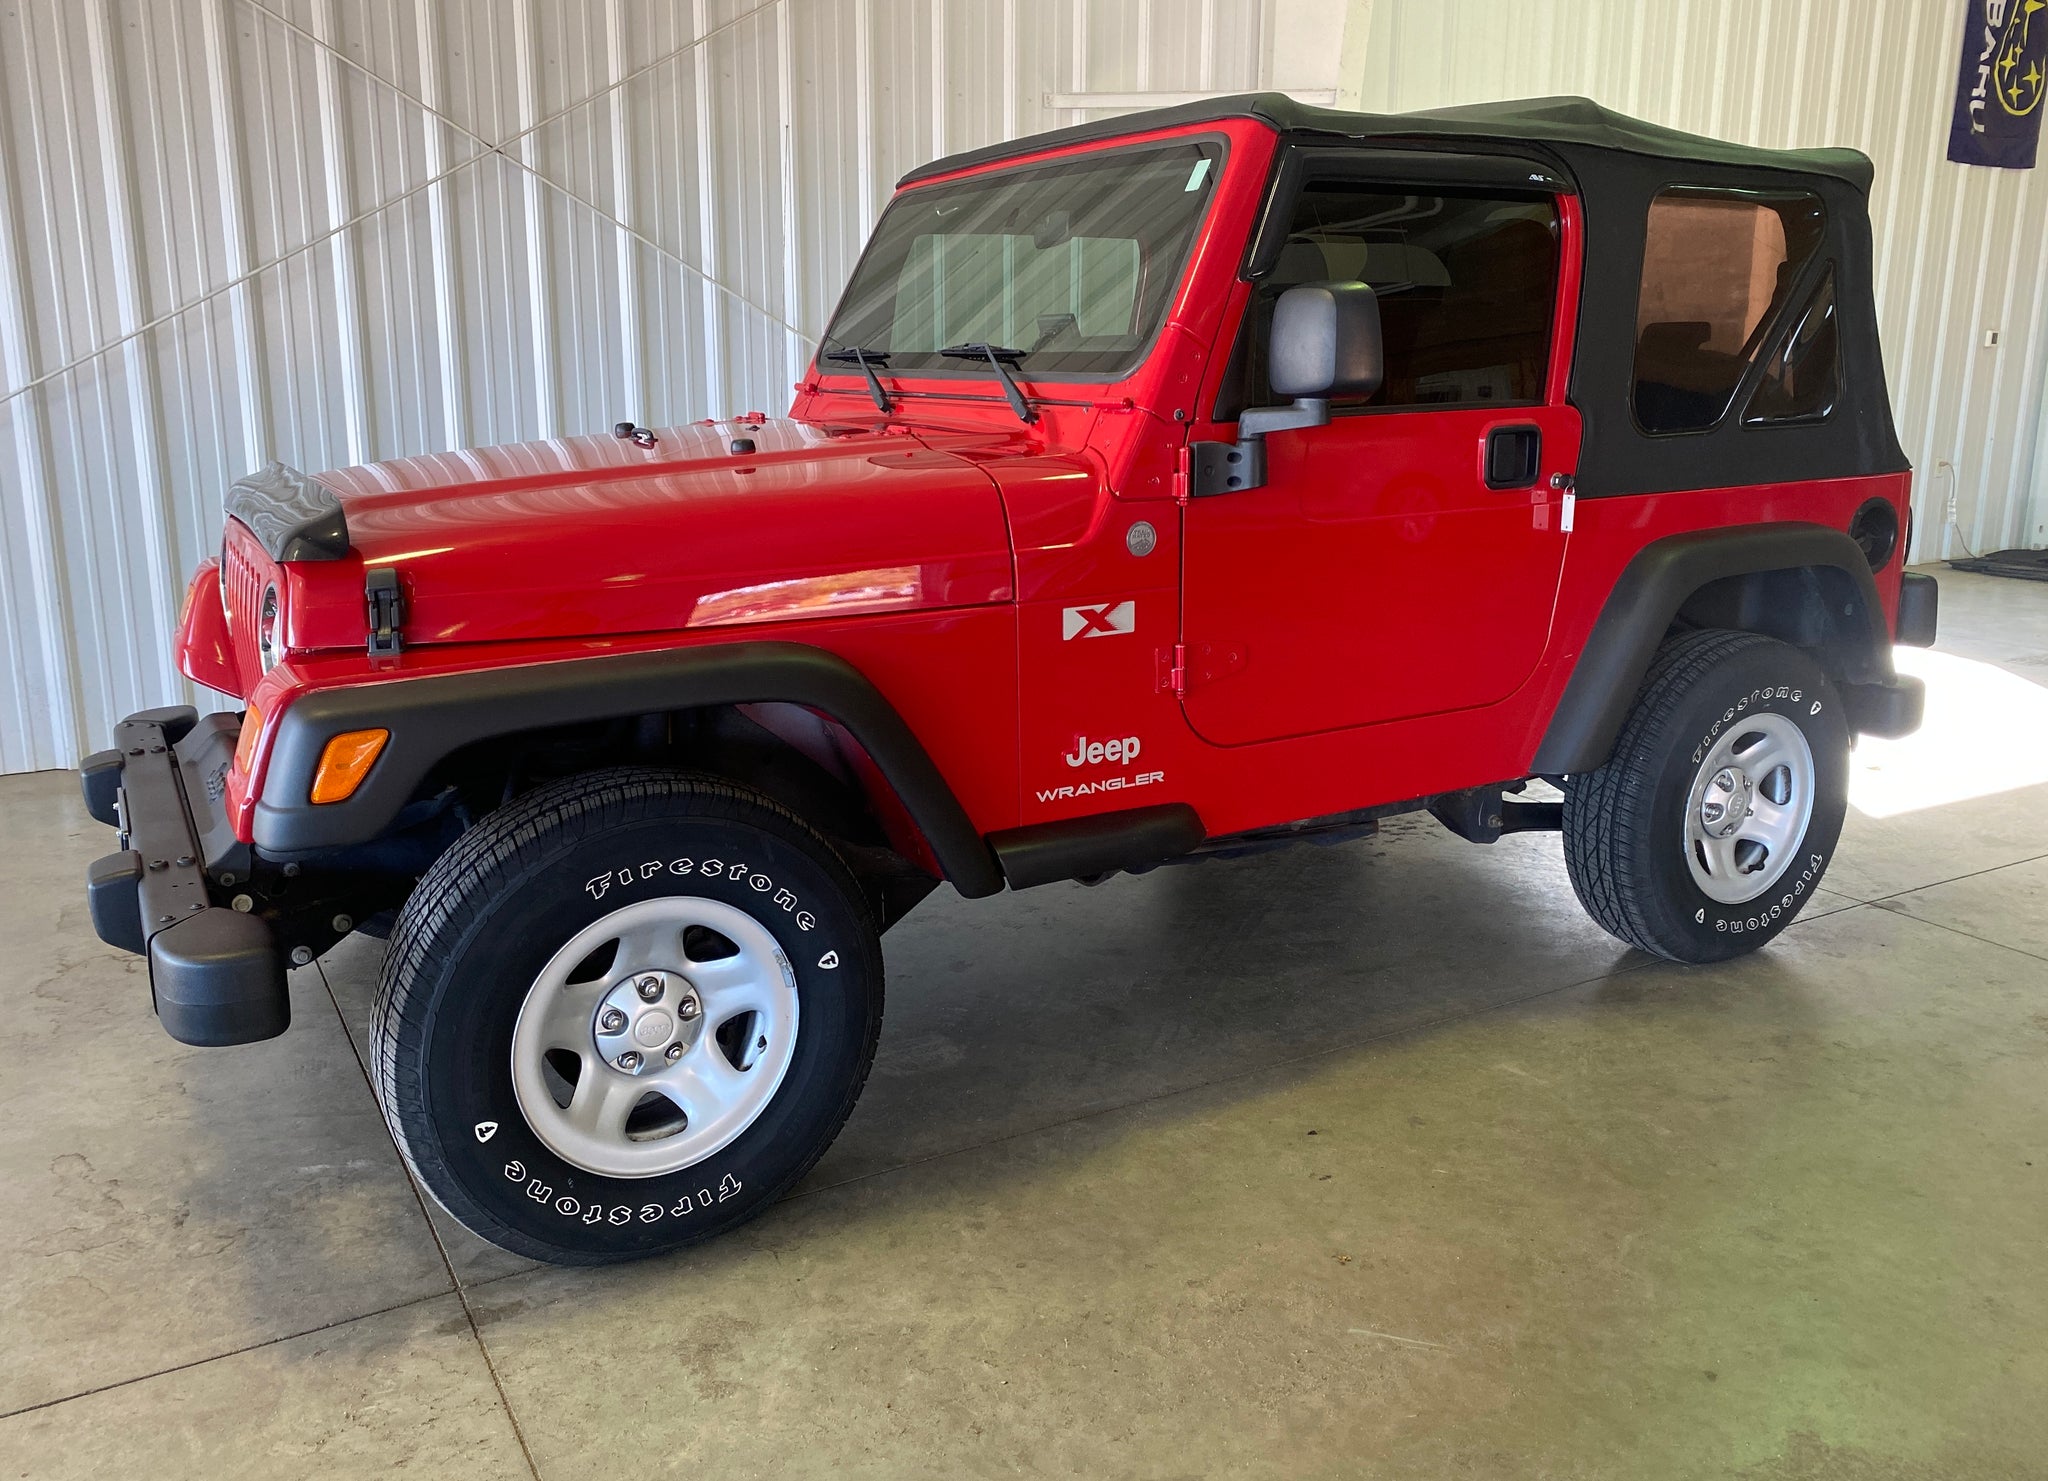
638, 436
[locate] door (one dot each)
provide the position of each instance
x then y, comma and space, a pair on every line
1403, 559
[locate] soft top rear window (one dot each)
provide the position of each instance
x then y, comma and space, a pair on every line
1717, 267
1070, 264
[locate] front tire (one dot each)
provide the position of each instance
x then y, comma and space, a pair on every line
625, 1013
1715, 818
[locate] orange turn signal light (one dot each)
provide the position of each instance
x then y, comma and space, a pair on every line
344, 763
245, 743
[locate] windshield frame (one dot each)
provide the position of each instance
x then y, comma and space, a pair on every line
1023, 370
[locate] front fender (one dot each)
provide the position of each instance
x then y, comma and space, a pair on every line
431, 717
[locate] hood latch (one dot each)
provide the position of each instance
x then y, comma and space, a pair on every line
387, 610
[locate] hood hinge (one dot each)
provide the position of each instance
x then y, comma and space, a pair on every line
387, 611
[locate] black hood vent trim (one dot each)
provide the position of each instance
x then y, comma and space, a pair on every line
293, 516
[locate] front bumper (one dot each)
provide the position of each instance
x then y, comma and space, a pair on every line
216, 974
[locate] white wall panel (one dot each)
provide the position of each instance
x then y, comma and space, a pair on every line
330, 231
1959, 250
335, 230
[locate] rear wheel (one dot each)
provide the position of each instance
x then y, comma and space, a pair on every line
625, 1013
1714, 820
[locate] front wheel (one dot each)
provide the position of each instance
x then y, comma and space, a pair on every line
625, 1013
1713, 821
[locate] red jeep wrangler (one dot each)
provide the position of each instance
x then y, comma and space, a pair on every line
1164, 488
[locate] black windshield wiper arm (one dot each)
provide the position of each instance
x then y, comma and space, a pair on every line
854, 355
999, 359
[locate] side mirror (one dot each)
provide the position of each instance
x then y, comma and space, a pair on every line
1325, 342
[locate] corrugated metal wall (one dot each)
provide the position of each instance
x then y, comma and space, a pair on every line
1959, 251
329, 231
335, 230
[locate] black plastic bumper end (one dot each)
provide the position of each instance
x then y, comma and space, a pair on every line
99, 777
113, 892
1919, 603
218, 979
1890, 709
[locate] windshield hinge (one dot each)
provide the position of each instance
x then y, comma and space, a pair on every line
387, 610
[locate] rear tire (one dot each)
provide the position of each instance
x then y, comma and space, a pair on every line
625, 1013
1713, 821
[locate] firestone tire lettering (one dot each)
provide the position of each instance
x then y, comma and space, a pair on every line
1625, 822
730, 846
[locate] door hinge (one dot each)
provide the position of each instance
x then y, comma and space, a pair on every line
1183, 666
1180, 474
1173, 669
386, 611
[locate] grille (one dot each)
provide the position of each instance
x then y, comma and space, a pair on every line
245, 571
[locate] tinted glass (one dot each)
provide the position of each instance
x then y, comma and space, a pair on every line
1800, 381
1073, 264
1465, 283
1716, 267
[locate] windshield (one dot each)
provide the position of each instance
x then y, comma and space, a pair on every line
1070, 264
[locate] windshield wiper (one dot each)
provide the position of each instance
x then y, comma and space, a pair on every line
999, 359
854, 355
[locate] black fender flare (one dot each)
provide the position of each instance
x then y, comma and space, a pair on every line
1647, 597
432, 716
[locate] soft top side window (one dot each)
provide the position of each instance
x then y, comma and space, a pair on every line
1802, 379
1717, 267
1467, 282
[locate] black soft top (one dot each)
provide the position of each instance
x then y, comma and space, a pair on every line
1616, 165
1570, 121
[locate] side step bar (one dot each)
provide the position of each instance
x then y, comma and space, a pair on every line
1079, 848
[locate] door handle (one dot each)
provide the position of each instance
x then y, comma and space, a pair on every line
1513, 455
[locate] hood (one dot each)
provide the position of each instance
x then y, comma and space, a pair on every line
590, 536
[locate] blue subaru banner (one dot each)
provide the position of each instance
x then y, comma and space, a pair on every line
1998, 88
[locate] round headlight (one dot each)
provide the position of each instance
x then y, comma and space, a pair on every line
267, 650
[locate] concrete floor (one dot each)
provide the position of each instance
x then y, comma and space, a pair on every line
1378, 1160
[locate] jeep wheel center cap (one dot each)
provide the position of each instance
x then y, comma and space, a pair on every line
646, 1020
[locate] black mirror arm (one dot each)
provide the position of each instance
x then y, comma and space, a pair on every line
1232, 467
1307, 411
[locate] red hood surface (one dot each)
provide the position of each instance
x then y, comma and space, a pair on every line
595, 535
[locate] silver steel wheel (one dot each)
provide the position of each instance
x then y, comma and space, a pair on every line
654, 1037
1750, 802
